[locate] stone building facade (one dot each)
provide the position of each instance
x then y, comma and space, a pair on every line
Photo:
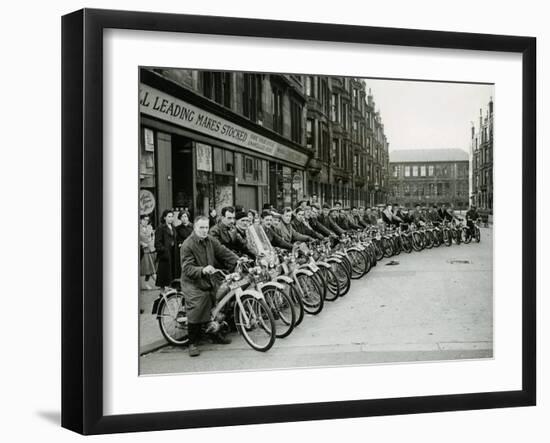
213, 138
429, 176
482, 161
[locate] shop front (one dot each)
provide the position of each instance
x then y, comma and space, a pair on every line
195, 160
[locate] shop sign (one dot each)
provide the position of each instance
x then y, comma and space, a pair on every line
146, 202
163, 106
204, 157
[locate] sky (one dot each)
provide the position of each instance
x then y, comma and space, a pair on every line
429, 115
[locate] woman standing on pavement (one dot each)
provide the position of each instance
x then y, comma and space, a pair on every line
166, 247
147, 248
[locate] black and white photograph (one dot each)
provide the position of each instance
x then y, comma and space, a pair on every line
297, 221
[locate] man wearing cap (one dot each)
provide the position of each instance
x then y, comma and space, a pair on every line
274, 238
287, 232
328, 220
389, 217
471, 216
301, 225
312, 216
201, 255
433, 215
418, 217
227, 234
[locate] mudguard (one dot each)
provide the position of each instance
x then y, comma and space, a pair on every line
333, 260
354, 248
323, 264
161, 297
253, 293
304, 271
275, 284
284, 278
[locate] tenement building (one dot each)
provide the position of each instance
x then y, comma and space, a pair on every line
429, 176
482, 162
210, 139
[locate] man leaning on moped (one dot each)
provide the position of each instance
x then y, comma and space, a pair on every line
201, 254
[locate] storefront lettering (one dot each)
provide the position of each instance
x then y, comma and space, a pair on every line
161, 105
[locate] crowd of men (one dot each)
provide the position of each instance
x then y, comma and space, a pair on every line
218, 243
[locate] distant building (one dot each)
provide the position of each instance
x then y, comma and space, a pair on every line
429, 176
482, 162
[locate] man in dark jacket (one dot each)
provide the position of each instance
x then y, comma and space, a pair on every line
274, 238
312, 216
328, 221
201, 254
301, 225
226, 232
287, 231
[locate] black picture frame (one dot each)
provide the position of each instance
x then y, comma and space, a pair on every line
82, 218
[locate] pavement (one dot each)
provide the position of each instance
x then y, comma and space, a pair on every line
433, 305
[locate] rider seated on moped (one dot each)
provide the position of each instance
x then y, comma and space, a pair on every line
471, 216
201, 255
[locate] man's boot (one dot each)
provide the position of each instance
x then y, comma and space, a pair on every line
194, 351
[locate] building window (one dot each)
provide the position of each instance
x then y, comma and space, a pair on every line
217, 86
345, 115
396, 171
415, 171
324, 95
252, 96
277, 101
310, 83
325, 145
336, 152
295, 121
430, 171
355, 100
334, 114
310, 129
423, 171
407, 171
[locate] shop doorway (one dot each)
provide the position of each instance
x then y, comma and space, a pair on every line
182, 173
247, 197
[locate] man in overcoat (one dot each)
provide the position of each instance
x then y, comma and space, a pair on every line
201, 255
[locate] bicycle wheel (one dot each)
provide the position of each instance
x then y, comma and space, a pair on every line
379, 250
172, 318
343, 277
358, 264
417, 243
281, 308
296, 302
406, 241
311, 294
466, 235
319, 276
387, 247
477, 234
447, 239
255, 323
333, 285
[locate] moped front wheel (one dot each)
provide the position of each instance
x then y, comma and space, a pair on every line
255, 323
172, 318
282, 310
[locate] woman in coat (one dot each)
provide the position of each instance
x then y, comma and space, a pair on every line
166, 243
146, 243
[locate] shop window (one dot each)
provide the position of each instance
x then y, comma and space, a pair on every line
252, 96
277, 111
